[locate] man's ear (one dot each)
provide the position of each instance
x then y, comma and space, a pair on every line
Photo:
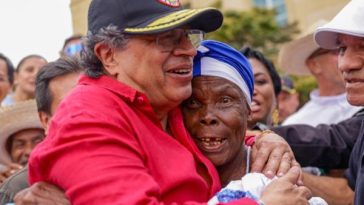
313, 66
44, 119
106, 55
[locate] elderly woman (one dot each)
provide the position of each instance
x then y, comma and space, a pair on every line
216, 114
20, 131
267, 85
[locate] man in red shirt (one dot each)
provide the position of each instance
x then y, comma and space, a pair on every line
119, 137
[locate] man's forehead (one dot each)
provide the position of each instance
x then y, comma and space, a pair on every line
349, 39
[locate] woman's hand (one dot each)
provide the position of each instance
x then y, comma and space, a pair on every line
284, 191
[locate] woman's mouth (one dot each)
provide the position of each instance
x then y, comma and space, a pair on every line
211, 144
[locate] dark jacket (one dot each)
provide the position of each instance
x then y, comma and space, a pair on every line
325, 146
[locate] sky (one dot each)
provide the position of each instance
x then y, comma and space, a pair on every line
34, 27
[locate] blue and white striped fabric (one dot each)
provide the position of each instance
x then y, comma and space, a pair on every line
221, 60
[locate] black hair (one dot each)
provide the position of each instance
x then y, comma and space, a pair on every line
21, 62
251, 53
10, 68
59, 67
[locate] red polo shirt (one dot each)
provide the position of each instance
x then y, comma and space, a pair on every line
106, 146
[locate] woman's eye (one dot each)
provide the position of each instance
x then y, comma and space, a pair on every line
192, 103
226, 100
260, 81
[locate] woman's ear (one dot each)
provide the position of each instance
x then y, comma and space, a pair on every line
106, 55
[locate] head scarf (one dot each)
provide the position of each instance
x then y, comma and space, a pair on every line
221, 60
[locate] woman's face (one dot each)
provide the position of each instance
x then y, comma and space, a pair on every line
216, 117
25, 77
264, 99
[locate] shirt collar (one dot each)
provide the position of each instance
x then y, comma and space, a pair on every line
126, 92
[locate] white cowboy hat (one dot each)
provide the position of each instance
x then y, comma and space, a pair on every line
14, 118
350, 21
293, 55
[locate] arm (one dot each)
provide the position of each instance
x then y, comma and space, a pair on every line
335, 191
326, 146
282, 191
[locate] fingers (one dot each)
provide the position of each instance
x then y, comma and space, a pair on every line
259, 158
285, 165
292, 175
24, 197
274, 162
300, 178
304, 192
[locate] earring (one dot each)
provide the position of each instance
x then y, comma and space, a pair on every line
275, 117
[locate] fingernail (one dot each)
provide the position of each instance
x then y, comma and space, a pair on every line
300, 182
280, 174
269, 173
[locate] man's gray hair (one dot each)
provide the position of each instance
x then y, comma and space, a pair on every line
112, 37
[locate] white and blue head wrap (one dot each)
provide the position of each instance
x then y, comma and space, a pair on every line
221, 60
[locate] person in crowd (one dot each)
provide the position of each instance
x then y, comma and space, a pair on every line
6, 76
24, 82
216, 115
54, 81
328, 102
126, 112
213, 81
288, 99
20, 132
267, 85
330, 145
72, 46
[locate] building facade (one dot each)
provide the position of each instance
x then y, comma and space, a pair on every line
305, 12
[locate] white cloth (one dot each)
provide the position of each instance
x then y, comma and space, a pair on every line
323, 110
254, 184
8, 100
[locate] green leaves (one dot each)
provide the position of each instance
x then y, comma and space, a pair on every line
256, 28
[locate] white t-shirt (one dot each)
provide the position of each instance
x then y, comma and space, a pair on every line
323, 110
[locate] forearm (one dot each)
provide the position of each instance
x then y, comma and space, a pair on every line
335, 191
326, 146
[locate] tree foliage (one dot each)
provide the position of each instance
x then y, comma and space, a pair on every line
256, 28
259, 29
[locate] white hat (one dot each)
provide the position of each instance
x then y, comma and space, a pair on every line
14, 118
350, 21
293, 55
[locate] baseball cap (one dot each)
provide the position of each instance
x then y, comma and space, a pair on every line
348, 21
150, 16
287, 84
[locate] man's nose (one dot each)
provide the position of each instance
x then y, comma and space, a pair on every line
350, 60
185, 47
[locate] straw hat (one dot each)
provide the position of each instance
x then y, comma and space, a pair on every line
293, 55
14, 118
348, 21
